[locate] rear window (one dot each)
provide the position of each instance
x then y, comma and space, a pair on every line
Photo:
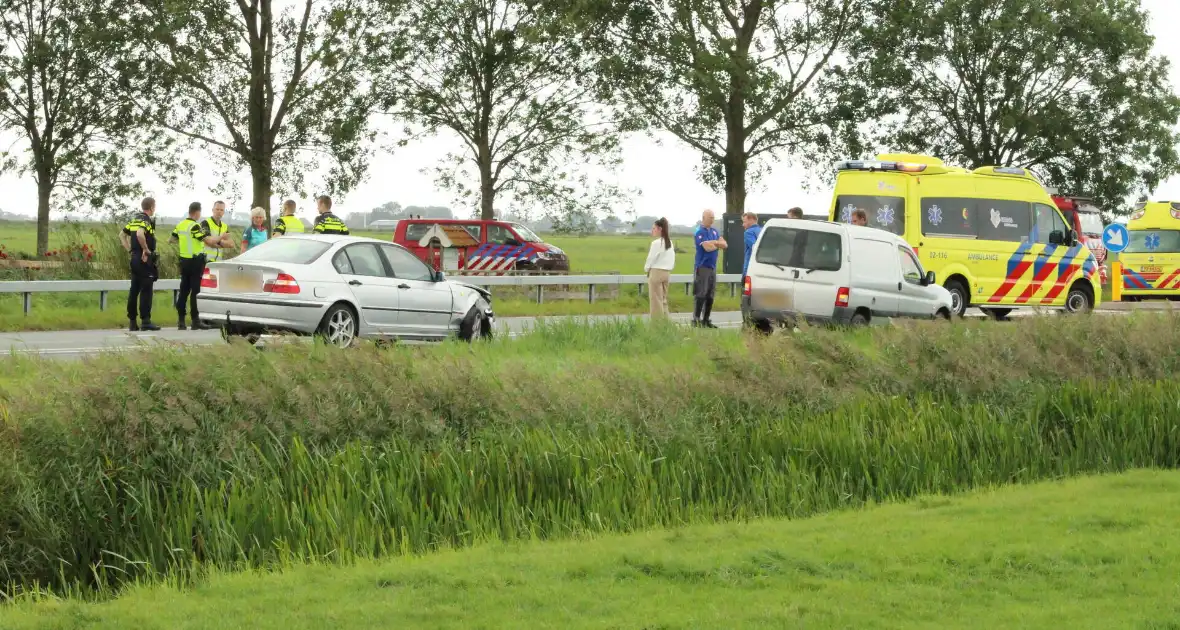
806, 249
1152, 242
287, 249
885, 213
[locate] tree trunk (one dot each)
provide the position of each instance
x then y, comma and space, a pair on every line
261, 177
44, 190
487, 187
735, 157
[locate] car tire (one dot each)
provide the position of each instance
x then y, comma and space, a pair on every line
339, 327
960, 297
859, 319
1079, 300
943, 315
475, 325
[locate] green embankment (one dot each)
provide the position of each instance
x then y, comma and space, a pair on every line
171, 462
1093, 553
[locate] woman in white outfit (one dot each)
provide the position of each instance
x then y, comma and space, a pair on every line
661, 258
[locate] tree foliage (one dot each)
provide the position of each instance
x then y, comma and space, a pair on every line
516, 89
61, 65
738, 81
1069, 88
282, 89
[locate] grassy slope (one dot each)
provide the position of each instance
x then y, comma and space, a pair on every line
1088, 553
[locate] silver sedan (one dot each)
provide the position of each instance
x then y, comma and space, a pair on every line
341, 288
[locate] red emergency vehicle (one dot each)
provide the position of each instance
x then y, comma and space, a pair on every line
1086, 219
494, 247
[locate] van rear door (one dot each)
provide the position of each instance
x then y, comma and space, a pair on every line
772, 271
874, 276
822, 270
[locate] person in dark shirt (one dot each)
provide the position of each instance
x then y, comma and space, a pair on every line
139, 239
708, 243
326, 222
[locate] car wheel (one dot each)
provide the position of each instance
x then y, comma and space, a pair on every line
475, 325
959, 297
859, 319
339, 327
943, 315
761, 326
1079, 300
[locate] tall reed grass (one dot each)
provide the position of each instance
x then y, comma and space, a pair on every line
140, 466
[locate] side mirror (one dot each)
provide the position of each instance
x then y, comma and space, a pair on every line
1057, 237
439, 276
929, 279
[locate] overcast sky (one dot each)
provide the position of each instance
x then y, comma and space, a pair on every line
662, 169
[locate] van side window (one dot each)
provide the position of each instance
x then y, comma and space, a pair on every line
499, 235
821, 251
777, 247
1048, 220
910, 269
883, 213
474, 230
415, 231
949, 216
1003, 220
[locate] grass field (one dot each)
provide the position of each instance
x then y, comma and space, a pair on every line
166, 463
1086, 553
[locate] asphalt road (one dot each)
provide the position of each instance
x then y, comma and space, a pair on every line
77, 343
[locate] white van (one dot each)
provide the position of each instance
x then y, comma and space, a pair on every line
836, 273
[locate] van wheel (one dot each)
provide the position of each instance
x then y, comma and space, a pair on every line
943, 315
959, 297
859, 319
1079, 300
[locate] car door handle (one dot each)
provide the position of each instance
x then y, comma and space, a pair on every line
355, 283
899, 286
403, 286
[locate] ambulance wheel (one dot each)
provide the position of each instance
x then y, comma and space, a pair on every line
1079, 299
959, 297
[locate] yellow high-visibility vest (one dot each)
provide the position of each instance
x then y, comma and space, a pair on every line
187, 242
289, 225
213, 254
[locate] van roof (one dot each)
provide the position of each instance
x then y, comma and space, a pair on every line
853, 230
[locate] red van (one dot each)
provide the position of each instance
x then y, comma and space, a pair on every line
480, 247
1086, 220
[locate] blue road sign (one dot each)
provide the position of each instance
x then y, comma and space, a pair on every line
1115, 237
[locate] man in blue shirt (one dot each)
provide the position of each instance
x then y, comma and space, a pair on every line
752, 230
708, 243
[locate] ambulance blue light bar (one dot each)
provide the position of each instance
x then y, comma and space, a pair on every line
877, 165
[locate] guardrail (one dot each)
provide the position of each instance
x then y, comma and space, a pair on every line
105, 287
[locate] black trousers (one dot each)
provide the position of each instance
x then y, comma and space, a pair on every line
191, 270
143, 276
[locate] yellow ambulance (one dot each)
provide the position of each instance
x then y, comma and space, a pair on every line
1151, 261
992, 236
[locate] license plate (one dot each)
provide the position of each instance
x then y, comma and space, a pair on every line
778, 300
1151, 269
244, 282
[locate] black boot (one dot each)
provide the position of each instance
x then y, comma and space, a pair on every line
698, 305
133, 327
180, 324
707, 314
198, 324
148, 325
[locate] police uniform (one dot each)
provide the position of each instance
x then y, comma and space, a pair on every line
216, 230
328, 223
143, 274
190, 244
289, 225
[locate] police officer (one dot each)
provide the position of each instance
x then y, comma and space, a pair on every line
288, 224
139, 239
218, 233
326, 222
189, 236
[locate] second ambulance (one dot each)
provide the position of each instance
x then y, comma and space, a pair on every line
993, 236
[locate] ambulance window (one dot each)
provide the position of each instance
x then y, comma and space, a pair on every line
1048, 220
883, 213
1003, 220
949, 216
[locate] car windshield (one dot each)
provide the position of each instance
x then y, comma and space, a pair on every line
526, 233
298, 251
1154, 242
1091, 223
